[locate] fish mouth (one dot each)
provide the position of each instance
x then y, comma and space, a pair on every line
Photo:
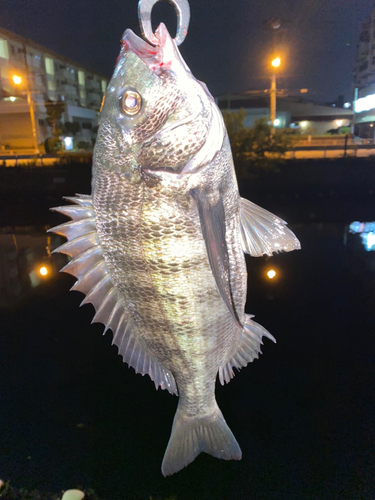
158, 57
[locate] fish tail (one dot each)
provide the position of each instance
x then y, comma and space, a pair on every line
192, 435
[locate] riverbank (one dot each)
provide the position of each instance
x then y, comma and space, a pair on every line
300, 191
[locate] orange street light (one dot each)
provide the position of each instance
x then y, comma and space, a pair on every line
17, 79
271, 274
43, 271
276, 62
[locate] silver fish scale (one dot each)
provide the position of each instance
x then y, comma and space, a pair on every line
153, 247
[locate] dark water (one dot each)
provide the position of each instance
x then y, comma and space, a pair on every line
72, 414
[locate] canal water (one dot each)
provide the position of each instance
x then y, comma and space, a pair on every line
73, 415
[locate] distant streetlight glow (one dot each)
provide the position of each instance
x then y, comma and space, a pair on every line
12, 98
271, 274
68, 141
276, 122
17, 79
43, 271
276, 62
303, 124
339, 122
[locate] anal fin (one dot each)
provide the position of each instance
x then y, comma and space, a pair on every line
247, 351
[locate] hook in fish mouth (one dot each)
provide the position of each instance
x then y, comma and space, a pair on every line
158, 58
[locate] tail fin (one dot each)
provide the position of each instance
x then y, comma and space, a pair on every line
192, 435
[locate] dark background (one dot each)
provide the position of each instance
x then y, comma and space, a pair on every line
72, 414
228, 45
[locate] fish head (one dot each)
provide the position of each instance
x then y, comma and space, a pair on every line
156, 117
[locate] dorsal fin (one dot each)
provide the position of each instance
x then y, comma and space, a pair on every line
89, 267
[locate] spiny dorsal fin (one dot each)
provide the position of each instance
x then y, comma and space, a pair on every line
94, 280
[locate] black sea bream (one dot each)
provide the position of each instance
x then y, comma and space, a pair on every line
158, 247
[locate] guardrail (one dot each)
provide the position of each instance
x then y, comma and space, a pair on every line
332, 142
18, 152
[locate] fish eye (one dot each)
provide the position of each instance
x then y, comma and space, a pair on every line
130, 102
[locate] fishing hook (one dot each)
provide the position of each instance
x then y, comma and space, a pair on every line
182, 9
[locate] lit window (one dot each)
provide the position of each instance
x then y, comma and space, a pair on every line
364, 103
104, 85
81, 78
50, 70
4, 49
82, 95
51, 85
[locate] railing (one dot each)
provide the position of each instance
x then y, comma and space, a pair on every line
18, 152
332, 142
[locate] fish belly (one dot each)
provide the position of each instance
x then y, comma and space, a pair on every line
155, 253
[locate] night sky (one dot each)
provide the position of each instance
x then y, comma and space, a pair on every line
227, 45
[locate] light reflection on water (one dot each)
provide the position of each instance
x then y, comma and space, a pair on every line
26, 262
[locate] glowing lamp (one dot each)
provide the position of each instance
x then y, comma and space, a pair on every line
276, 62
17, 79
68, 142
339, 122
303, 124
43, 271
271, 274
12, 98
276, 122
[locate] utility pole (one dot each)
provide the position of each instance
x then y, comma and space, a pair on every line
273, 103
30, 102
275, 64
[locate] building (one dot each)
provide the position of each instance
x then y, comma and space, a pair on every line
47, 76
364, 81
303, 115
364, 69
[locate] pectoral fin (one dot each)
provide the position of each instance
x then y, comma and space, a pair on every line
264, 233
212, 219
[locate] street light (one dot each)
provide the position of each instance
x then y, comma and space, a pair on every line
275, 63
17, 81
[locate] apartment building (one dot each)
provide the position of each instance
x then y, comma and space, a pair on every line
46, 75
364, 81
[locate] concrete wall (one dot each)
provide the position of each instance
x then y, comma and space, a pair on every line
317, 127
15, 131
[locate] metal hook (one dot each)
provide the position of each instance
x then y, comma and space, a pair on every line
182, 9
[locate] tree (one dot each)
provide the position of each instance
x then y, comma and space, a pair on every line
254, 146
72, 128
55, 110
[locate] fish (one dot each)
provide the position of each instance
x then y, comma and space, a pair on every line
158, 247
